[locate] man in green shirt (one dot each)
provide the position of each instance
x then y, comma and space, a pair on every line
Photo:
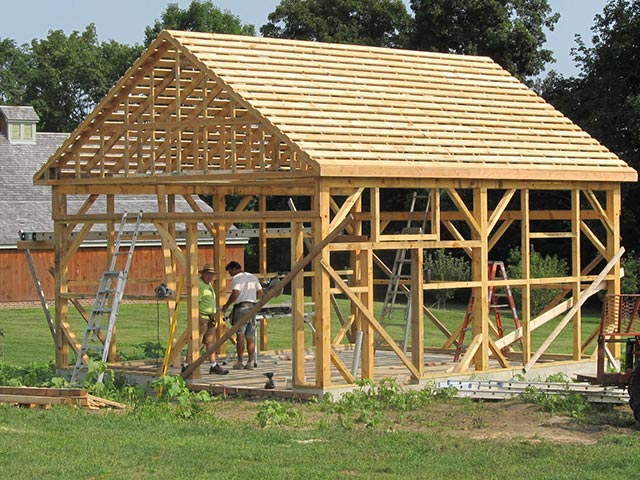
207, 309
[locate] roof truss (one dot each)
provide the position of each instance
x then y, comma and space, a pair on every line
171, 115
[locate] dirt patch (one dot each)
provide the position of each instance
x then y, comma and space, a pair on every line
520, 421
506, 420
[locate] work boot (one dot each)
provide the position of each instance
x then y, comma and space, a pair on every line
238, 366
218, 370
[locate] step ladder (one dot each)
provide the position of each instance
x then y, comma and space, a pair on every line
497, 271
400, 275
107, 303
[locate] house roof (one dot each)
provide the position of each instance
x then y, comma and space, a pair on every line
337, 110
24, 206
27, 207
19, 114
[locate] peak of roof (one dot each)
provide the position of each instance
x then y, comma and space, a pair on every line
334, 110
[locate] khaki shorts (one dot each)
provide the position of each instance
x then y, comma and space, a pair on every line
249, 328
207, 329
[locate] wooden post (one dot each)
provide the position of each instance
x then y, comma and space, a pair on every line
375, 213
368, 334
297, 306
321, 286
262, 239
525, 249
194, 341
111, 207
614, 285
220, 261
576, 271
417, 323
358, 276
480, 269
59, 208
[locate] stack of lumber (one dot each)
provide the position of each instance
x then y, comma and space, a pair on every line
42, 396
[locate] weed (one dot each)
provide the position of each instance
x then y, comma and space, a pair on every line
32, 375
559, 377
366, 404
174, 389
151, 349
272, 412
569, 403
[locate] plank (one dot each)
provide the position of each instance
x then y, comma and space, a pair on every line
43, 400
43, 391
583, 298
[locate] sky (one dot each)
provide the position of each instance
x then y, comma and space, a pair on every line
125, 20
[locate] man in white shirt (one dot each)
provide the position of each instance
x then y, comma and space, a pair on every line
245, 292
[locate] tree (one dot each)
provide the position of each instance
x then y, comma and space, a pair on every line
541, 266
443, 266
509, 31
68, 76
201, 16
604, 99
382, 23
13, 69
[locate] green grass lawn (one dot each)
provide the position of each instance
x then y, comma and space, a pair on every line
26, 337
446, 439
225, 438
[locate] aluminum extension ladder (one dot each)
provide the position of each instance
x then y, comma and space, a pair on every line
107, 303
495, 268
399, 276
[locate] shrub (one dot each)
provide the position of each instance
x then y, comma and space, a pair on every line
272, 412
365, 405
443, 266
172, 388
541, 267
570, 403
631, 279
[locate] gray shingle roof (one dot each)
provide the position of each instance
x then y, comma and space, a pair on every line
28, 207
23, 205
19, 114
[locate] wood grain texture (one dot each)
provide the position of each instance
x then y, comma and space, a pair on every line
206, 104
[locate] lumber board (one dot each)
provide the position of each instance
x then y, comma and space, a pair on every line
43, 391
193, 90
43, 396
43, 400
584, 295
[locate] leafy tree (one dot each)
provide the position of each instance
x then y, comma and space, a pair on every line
631, 279
68, 76
201, 16
509, 31
13, 69
443, 266
604, 99
383, 23
542, 266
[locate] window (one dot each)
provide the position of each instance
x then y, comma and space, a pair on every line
22, 132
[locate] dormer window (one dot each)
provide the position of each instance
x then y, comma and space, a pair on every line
19, 123
22, 132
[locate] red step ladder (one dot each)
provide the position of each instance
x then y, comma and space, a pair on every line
495, 268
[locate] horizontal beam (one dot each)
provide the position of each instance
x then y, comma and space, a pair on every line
152, 234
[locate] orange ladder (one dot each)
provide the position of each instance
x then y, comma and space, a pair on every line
495, 268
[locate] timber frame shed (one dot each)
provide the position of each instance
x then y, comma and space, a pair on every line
341, 128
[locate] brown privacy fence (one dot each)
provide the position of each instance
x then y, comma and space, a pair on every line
17, 286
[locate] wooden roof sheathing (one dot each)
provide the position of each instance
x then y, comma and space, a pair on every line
350, 111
